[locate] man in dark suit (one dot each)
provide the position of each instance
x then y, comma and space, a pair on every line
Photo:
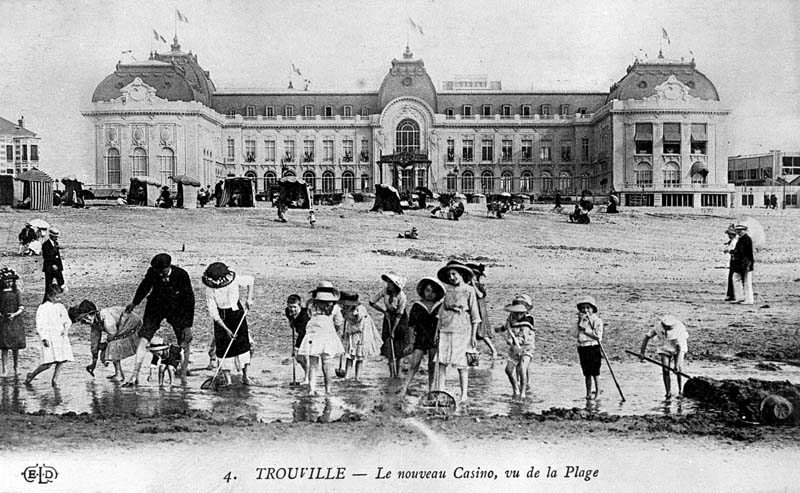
51, 255
743, 267
171, 297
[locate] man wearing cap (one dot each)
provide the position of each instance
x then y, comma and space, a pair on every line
672, 346
51, 264
171, 297
743, 266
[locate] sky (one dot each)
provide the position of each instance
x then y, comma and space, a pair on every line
54, 53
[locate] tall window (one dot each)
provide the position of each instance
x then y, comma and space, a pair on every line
347, 111
309, 177
566, 152
506, 181
564, 181
166, 163
327, 150
451, 182
526, 111
545, 110
564, 109
328, 111
364, 151
547, 182
526, 182
467, 146
466, 111
308, 150
584, 182
269, 111
672, 174
507, 149
699, 138
250, 112
527, 149
231, 148
505, 111
288, 150
348, 182
487, 149
486, 110
112, 167
10, 154
546, 151
421, 177
269, 150
250, 150
406, 179
364, 182
487, 181
643, 138
364, 114
451, 150
252, 176
347, 150
407, 137
34, 152
288, 111
308, 111
585, 148
270, 180
467, 181
644, 174
328, 182
139, 162
672, 138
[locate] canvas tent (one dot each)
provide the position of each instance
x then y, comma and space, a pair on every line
386, 199
144, 190
38, 187
187, 191
73, 192
238, 192
6, 190
294, 193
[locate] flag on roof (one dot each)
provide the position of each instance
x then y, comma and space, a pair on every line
296, 70
158, 36
181, 17
665, 35
415, 25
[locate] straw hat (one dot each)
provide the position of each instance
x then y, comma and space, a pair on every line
461, 268
740, 227
217, 275
437, 287
518, 305
85, 307
394, 278
731, 229
671, 322
526, 300
348, 299
587, 300
325, 292
7, 274
54, 232
157, 344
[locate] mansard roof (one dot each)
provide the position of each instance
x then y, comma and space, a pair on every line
644, 75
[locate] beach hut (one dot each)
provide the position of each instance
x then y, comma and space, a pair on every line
386, 199
238, 192
6, 190
187, 191
294, 193
73, 191
37, 190
144, 190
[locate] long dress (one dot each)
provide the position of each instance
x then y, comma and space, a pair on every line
223, 303
121, 331
52, 324
395, 308
321, 339
12, 333
361, 337
458, 312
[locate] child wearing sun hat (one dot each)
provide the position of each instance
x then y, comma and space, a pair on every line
423, 317
521, 341
589, 332
321, 343
392, 302
672, 347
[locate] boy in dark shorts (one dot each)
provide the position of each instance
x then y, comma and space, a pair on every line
589, 331
298, 318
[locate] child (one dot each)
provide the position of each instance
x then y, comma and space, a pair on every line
395, 319
673, 344
321, 342
589, 332
166, 358
12, 333
484, 332
360, 335
521, 344
298, 319
52, 324
422, 320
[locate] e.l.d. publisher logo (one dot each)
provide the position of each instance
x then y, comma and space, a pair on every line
42, 474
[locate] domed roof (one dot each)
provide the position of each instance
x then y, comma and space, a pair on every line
643, 76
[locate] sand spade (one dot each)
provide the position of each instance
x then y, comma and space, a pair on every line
209, 382
673, 370
603, 352
437, 398
340, 371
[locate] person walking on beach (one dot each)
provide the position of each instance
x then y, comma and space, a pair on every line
743, 267
52, 325
12, 332
729, 246
52, 266
170, 296
672, 347
589, 332
121, 330
423, 317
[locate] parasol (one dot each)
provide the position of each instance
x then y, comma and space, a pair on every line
460, 196
505, 194
39, 224
185, 180
755, 231
522, 196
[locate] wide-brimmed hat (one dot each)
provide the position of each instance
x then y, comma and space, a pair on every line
7, 274
218, 275
478, 269
157, 344
325, 292
731, 229
526, 300
587, 300
54, 232
740, 227
394, 278
466, 272
348, 299
517, 305
438, 289
161, 261
85, 307
671, 322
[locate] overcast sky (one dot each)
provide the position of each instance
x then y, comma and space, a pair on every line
54, 53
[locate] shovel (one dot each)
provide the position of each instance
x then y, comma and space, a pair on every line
340, 373
673, 370
209, 382
437, 398
603, 352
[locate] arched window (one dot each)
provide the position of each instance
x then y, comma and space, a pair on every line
547, 182
526, 182
699, 173
564, 181
348, 182
166, 164
112, 167
309, 177
139, 162
672, 174
467, 182
407, 137
451, 182
328, 182
270, 180
584, 182
288, 173
487, 181
506, 181
252, 176
644, 174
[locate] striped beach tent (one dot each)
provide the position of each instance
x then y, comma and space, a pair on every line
38, 186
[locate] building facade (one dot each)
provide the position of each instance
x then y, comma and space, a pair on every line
759, 177
656, 137
19, 148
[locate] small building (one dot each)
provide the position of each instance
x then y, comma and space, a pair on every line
19, 148
760, 176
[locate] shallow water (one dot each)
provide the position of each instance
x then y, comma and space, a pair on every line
272, 397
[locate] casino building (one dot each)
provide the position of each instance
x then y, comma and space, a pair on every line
656, 138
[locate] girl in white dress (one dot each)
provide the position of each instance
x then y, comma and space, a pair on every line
52, 324
321, 343
361, 337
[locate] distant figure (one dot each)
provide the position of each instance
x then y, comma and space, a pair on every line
312, 218
164, 200
557, 206
612, 204
773, 202
26, 237
456, 211
202, 197
52, 266
218, 192
409, 235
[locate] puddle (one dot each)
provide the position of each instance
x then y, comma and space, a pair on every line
272, 397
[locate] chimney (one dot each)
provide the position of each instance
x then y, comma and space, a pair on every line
21, 121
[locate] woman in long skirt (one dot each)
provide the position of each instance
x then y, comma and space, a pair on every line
231, 334
12, 333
